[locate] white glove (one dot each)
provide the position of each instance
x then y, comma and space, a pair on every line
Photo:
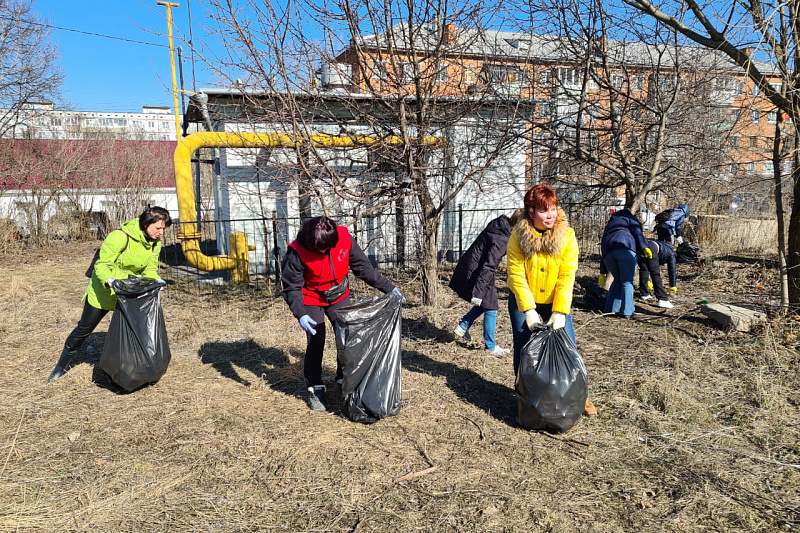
532, 318
679, 240
109, 281
557, 320
476, 301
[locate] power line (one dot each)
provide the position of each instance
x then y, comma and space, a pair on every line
84, 32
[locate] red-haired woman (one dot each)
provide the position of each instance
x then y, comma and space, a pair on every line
314, 272
542, 261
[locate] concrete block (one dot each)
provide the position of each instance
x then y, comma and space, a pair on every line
733, 316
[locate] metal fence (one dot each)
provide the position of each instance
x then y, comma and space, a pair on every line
378, 235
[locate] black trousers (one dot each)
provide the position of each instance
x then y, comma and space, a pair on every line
312, 365
90, 318
663, 235
649, 268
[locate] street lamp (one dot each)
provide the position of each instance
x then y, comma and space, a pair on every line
169, 6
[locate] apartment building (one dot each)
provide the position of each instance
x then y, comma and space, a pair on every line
573, 86
65, 173
42, 120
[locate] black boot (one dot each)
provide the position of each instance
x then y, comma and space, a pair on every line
61, 366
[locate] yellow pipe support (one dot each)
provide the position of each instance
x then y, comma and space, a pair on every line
189, 236
240, 252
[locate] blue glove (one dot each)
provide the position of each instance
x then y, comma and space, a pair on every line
400, 294
308, 323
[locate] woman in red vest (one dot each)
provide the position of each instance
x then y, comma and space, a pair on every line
315, 285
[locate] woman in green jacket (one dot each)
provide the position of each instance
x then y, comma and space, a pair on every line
130, 251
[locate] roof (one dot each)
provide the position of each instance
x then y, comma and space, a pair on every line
554, 48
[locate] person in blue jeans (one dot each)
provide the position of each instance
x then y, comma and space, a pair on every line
473, 280
542, 262
623, 240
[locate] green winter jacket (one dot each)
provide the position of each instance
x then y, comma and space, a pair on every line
139, 258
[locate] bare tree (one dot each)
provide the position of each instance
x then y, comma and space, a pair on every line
399, 72
762, 39
29, 69
632, 108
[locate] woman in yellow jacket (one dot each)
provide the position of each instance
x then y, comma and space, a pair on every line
542, 261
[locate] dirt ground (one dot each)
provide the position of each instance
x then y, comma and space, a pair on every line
698, 428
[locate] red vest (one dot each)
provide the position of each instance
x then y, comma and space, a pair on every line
317, 268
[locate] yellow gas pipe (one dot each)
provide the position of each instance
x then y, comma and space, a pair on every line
238, 260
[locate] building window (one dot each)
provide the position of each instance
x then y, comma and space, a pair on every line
496, 74
756, 90
751, 167
755, 115
524, 77
569, 77
768, 167
468, 75
617, 81
772, 117
544, 78
545, 110
776, 87
593, 81
753, 142
379, 70
734, 141
441, 75
406, 72
735, 115
638, 83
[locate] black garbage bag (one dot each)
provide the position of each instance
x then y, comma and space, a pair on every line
136, 351
368, 346
551, 382
686, 253
594, 296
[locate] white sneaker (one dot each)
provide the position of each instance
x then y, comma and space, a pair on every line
647, 297
497, 350
462, 333
666, 304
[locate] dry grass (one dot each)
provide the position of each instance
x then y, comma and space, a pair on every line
732, 235
697, 429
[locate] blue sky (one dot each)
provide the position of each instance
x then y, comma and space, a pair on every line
104, 74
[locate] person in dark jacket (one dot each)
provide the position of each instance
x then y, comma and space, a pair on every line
319, 261
651, 269
473, 281
623, 240
671, 230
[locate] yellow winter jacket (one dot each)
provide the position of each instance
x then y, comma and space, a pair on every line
542, 266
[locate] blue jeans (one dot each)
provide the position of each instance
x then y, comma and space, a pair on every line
622, 265
520, 331
489, 323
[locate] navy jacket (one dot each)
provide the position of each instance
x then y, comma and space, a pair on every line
623, 230
475, 271
666, 256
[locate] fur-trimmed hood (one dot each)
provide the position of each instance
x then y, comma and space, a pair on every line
531, 241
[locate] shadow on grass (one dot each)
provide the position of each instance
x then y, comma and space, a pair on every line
494, 398
272, 365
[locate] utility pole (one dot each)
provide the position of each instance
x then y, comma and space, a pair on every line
169, 6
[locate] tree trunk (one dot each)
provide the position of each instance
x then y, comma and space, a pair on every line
776, 173
793, 256
429, 261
